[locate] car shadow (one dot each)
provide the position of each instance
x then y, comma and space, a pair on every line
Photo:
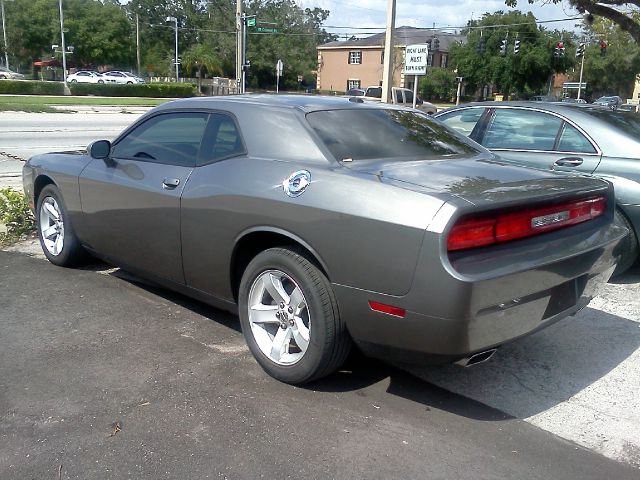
630, 276
524, 378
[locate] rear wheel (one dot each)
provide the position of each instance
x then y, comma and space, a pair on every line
57, 238
628, 247
73, 80
290, 319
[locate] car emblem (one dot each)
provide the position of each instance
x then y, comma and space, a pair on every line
296, 183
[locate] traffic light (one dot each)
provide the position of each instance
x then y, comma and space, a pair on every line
516, 47
482, 46
559, 51
603, 47
580, 50
503, 47
436, 44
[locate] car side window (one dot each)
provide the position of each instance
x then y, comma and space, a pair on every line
521, 129
221, 140
169, 139
463, 121
571, 140
399, 98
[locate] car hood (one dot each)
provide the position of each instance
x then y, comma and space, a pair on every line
482, 180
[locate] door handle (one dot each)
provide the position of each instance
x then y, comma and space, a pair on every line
568, 162
169, 183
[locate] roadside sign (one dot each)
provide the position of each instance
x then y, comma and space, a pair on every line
251, 22
279, 66
415, 59
267, 30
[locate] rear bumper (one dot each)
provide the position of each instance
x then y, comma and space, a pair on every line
450, 314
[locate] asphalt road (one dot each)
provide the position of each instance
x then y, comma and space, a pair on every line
102, 377
23, 135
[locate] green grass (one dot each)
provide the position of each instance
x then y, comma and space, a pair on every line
33, 101
26, 107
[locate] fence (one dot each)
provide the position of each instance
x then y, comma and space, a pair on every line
208, 86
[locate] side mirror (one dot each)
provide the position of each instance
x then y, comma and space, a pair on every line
99, 149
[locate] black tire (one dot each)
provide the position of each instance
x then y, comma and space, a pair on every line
71, 253
74, 80
100, 81
628, 247
329, 342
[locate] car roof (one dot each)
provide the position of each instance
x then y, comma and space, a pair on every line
306, 103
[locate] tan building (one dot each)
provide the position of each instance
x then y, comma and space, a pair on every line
358, 63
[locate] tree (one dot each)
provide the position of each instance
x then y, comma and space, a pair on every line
201, 57
614, 73
34, 25
438, 84
626, 14
526, 72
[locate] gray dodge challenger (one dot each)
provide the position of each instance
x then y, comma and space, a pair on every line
325, 222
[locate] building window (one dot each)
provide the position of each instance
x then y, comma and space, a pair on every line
355, 57
353, 84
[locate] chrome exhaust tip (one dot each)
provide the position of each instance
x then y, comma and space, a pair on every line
476, 358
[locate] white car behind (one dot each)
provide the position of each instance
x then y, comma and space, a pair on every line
86, 76
120, 77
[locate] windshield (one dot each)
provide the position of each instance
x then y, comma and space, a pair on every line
628, 122
361, 134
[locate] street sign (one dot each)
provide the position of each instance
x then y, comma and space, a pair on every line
415, 59
279, 66
251, 22
267, 30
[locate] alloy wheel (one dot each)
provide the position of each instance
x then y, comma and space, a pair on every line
51, 226
279, 317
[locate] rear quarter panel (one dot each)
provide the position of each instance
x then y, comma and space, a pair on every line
366, 233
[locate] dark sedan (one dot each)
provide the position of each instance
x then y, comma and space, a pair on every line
323, 221
568, 138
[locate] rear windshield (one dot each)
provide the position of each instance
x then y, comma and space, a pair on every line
628, 122
362, 134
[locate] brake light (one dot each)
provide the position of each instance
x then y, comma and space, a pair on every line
487, 230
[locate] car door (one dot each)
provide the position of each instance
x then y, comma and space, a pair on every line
538, 139
131, 201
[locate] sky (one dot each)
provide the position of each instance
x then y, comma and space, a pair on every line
415, 13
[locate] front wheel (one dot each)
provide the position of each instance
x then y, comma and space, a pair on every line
290, 319
57, 238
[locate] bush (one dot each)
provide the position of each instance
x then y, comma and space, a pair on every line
31, 87
162, 90
15, 214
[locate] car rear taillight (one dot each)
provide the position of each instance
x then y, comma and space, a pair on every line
487, 230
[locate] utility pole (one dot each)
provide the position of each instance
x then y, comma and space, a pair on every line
138, 43
4, 34
387, 73
175, 20
64, 52
239, 46
581, 51
244, 52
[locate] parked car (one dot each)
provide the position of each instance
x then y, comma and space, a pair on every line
400, 96
6, 74
629, 107
86, 76
569, 138
573, 100
613, 102
355, 92
323, 221
116, 76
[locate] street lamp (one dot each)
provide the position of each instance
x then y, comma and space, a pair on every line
175, 20
64, 51
4, 34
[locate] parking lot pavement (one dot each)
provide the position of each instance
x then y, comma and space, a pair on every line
579, 379
103, 377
